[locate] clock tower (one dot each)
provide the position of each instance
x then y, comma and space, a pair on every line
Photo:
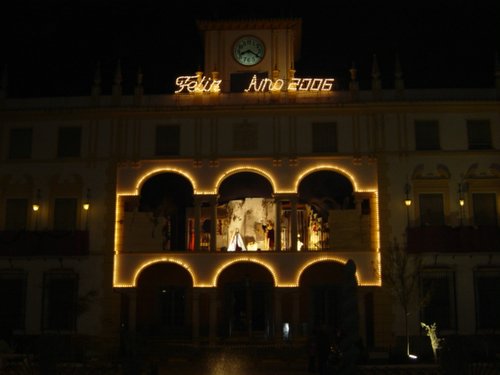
237, 50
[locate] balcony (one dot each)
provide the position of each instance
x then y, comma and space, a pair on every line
445, 239
44, 243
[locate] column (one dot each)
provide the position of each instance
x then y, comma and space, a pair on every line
212, 328
278, 323
293, 224
195, 323
296, 314
197, 220
277, 225
132, 311
213, 220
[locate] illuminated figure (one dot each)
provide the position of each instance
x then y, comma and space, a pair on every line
236, 243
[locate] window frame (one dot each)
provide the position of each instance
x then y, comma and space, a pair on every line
69, 142
17, 323
324, 137
172, 135
427, 135
51, 317
439, 273
479, 144
16, 137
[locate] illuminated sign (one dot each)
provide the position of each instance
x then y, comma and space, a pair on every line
295, 84
194, 84
198, 84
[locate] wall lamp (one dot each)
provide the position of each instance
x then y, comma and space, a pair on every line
36, 203
407, 195
461, 189
461, 201
86, 203
407, 203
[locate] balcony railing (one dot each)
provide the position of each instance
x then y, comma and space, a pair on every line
44, 243
464, 239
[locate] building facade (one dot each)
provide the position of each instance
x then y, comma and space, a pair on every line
250, 204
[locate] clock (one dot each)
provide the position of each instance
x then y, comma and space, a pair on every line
248, 50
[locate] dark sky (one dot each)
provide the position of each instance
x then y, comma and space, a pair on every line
51, 47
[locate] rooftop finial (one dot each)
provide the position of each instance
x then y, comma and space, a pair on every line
3, 82
96, 86
353, 84
139, 90
376, 84
118, 73
398, 78
117, 85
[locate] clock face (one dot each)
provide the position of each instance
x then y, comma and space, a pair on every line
248, 50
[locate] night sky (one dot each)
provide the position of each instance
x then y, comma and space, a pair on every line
52, 47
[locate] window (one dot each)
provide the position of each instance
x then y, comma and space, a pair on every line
431, 209
65, 214
69, 142
245, 137
427, 135
484, 209
167, 140
479, 134
438, 293
487, 288
20, 143
13, 290
324, 137
16, 214
60, 298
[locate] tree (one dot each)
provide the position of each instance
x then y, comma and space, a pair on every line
400, 275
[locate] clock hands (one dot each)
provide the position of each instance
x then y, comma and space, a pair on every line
250, 51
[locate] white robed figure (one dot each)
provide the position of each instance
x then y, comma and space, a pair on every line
236, 243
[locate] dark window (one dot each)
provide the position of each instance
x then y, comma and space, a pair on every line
438, 294
69, 142
485, 209
172, 306
324, 137
326, 306
60, 301
487, 285
20, 143
479, 134
13, 297
65, 214
16, 214
245, 137
431, 209
427, 135
167, 140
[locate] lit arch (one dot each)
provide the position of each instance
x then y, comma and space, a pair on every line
241, 260
146, 176
237, 170
162, 260
321, 260
326, 167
